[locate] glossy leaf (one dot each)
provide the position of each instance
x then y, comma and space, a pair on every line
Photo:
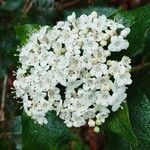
114, 142
24, 31
119, 123
142, 80
139, 108
45, 137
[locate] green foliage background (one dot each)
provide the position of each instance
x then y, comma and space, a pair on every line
128, 128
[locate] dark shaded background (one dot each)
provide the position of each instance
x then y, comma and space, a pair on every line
42, 12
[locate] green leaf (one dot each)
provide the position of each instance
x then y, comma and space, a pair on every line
146, 46
139, 22
142, 80
24, 31
44, 137
4, 144
114, 142
119, 123
139, 108
75, 143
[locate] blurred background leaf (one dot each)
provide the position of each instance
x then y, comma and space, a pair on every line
12, 5
15, 17
16, 130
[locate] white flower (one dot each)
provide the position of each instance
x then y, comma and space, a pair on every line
66, 69
102, 98
126, 62
89, 84
65, 115
96, 129
104, 112
98, 69
98, 122
89, 114
72, 18
78, 121
116, 68
118, 102
89, 45
93, 15
123, 79
125, 32
91, 123
117, 44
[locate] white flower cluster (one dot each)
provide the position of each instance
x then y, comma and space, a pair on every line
67, 69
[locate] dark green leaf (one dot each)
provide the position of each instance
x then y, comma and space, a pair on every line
16, 130
147, 40
114, 142
16, 127
139, 108
24, 31
76, 143
119, 123
8, 45
44, 137
11, 5
142, 80
4, 144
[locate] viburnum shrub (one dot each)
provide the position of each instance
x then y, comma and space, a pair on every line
69, 69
